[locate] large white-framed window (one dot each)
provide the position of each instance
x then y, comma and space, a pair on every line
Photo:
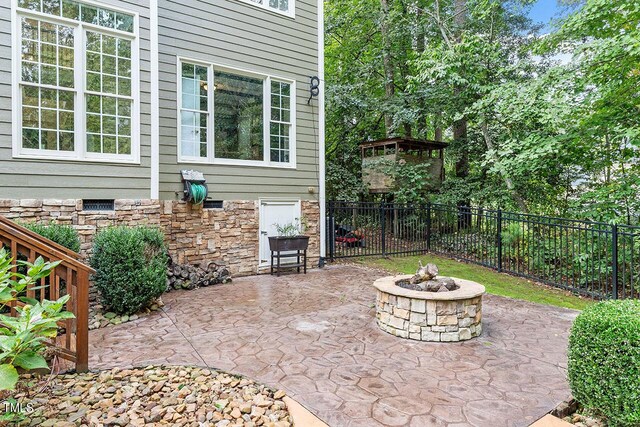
75, 81
285, 7
236, 117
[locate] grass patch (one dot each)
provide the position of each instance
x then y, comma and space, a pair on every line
495, 283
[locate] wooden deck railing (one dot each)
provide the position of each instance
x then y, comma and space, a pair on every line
70, 277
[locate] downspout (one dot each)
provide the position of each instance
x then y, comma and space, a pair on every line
155, 100
321, 143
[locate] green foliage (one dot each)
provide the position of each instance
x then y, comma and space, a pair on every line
130, 266
551, 121
512, 235
22, 338
412, 181
292, 229
604, 360
342, 183
64, 235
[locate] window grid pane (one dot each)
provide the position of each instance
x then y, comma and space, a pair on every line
108, 64
72, 9
47, 70
108, 124
47, 53
108, 74
47, 119
280, 125
194, 117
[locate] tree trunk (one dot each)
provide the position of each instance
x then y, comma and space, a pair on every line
507, 180
387, 61
437, 124
460, 126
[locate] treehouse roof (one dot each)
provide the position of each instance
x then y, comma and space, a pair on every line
406, 143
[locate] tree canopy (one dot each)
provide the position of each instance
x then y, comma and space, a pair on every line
543, 122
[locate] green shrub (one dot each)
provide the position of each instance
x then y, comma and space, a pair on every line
130, 266
604, 360
64, 235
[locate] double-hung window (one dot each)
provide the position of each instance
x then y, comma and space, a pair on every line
75, 81
228, 116
282, 6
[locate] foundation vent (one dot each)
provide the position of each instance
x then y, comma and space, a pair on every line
98, 205
213, 204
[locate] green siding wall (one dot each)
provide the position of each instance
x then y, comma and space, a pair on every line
227, 32
241, 35
21, 178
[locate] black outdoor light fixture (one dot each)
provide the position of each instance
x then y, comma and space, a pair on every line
314, 88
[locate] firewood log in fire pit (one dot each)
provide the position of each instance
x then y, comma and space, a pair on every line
424, 273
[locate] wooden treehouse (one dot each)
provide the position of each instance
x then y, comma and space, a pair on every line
375, 154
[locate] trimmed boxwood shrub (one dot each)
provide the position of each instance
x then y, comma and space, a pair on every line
131, 267
64, 235
604, 360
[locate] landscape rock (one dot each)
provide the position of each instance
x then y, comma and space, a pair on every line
155, 395
98, 318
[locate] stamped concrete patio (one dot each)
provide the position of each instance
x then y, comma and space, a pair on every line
315, 337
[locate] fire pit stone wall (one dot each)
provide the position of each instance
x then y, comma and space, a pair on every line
429, 316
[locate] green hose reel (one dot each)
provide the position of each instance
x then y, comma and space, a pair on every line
195, 187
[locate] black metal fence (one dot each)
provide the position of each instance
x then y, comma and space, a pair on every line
590, 258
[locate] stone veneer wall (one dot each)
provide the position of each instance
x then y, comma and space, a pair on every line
429, 320
228, 235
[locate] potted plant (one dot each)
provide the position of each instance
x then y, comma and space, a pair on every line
290, 237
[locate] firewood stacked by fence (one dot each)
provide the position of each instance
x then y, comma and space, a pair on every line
69, 277
187, 276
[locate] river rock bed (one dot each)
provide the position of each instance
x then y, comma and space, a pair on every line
581, 420
155, 396
98, 318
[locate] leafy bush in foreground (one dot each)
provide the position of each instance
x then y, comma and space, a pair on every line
604, 360
22, 338
130, 266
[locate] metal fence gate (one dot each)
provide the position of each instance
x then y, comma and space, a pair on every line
590, 258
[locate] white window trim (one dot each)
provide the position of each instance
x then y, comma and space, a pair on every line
211, 159
291, 13
80, 153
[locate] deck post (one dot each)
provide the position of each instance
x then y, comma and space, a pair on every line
499, 238
82, 322
383, 226
428, 226
614, 260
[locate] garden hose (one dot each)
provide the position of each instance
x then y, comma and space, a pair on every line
198, 193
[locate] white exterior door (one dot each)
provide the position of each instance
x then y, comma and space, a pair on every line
273, 211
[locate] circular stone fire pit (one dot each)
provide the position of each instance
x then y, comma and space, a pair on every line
453, 315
